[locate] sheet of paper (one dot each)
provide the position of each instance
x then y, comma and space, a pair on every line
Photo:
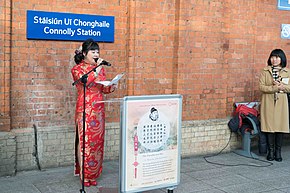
115, 80
285, 80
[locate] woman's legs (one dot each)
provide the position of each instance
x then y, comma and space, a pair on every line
271, 138
278, 145
79, 153
275, 141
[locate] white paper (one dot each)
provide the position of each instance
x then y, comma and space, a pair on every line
285, 80
113, 81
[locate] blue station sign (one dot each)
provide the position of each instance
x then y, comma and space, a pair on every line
67, 26
284, 4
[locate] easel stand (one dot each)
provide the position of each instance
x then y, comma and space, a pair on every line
84, 80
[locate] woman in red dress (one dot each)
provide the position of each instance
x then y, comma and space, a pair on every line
94, 112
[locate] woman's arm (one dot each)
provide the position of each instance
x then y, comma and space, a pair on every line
264, 86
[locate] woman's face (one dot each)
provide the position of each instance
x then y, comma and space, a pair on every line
91, 55
275, 60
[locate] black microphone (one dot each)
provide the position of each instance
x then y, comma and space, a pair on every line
104, 62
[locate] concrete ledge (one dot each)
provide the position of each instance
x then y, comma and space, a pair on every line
55, 146
7, 154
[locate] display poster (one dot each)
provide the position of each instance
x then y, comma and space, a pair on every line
150, 147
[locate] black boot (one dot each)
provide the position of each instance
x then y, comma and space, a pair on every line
278, 145
270, 156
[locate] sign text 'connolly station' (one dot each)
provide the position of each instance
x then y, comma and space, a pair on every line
67, 26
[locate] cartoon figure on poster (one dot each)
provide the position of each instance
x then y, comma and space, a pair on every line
153, 131
154, 114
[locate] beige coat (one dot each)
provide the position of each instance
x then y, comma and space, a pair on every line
274, 118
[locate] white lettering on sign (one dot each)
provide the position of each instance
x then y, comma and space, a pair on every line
92, 24
82, 32
71, 32
67, 31
47, 20
67, 21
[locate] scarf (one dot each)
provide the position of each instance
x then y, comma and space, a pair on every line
275, 73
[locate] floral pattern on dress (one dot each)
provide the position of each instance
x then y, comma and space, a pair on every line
94, 121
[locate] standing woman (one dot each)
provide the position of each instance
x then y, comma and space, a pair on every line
274, 85
94, 112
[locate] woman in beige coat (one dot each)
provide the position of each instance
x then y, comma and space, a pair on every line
274, 85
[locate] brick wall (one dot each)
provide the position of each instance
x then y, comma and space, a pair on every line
5, 58
210, 52
197, 49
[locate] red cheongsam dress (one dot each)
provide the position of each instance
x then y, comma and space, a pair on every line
94, 121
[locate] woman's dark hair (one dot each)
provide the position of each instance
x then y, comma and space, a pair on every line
87, 45
279, 53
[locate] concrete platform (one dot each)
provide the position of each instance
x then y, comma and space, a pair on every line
223, 173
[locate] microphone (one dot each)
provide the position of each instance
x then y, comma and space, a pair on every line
104, 62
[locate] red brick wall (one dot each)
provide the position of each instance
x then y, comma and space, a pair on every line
5, 57
210, 52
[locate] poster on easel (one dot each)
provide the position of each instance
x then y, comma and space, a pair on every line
150, 142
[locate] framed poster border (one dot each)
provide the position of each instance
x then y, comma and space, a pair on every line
124, 137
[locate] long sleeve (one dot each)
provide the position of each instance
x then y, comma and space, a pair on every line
78, 72
266, 83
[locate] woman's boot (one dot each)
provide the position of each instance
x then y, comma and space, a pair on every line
270, 137
278, 145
